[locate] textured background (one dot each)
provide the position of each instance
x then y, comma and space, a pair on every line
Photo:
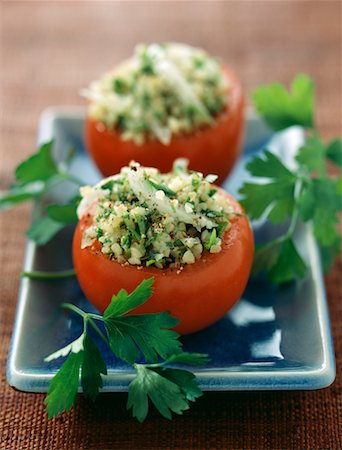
49, 50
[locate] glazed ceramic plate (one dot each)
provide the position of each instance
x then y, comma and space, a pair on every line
274, 338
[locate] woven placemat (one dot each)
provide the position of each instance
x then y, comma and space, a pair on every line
49, 50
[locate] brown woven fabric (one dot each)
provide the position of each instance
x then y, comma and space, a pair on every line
49, 50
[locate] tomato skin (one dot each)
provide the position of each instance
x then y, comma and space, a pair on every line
198, 296
209, 150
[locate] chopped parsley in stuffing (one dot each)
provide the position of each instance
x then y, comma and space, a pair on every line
145, 218
163, 90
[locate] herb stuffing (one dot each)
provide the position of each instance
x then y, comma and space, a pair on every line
145, 218
163, 90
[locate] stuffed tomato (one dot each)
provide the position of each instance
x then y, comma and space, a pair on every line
188, 234
166, 102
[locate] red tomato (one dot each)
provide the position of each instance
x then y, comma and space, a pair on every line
209, 150
198, 296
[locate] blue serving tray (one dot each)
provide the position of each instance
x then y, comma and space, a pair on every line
274, 338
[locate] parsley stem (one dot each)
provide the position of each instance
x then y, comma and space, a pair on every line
80, 312
294, 218
293, 224
87, 317
75, 309
295, 214
42, 275
98, 331
69, 177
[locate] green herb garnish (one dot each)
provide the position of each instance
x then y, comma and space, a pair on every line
130, 337
212, 214
169, 389
212, 240
308, 193
282, 109
44, 229
126, 241
110, 184
99, 233
40, 166
63, 213
162, 187
35, 177
212, 192
150, 262
120, 86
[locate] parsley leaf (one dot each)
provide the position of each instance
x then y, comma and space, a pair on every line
273, 197
64, 385
123, 303
321, 201
282, 109
165, 395
18, 194
334, 152
268, 165
170, 390
35, 176
306, 202
63, 213
145, 333
329, 253
92, 367
184, 379
281, 260
328, 203
85, 357
312, 155
289, 264
46, 227
39, 166
43, 230
177, 386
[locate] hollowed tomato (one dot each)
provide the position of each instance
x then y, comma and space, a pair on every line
198, 295
211, 149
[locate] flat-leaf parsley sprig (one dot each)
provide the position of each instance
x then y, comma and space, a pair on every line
35, 177
308, 193
131, 338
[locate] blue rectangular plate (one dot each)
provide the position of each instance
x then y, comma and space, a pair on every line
274, 338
